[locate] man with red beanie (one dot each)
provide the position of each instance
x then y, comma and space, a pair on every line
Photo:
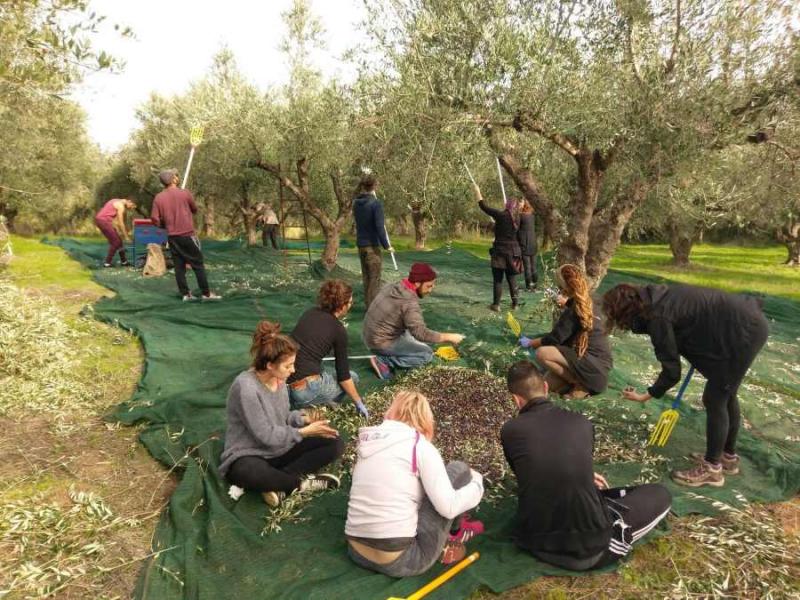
394, 329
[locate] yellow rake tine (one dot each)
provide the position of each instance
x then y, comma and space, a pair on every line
516, 328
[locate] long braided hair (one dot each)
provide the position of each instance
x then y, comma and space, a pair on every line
571, 280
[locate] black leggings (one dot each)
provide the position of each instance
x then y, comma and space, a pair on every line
283, 473
720, 397
529, 265
511, 276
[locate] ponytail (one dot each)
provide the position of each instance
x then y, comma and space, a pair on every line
573, 282
270, 346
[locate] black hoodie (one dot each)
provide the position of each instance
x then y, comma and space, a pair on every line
714, 330
560, 511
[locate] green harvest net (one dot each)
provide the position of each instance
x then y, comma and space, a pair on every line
210, 546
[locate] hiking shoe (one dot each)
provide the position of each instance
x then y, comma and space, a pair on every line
704, 473
466, 530
319, 482
273, 499
381, 370
189, 297
729, 462
210, 296
494, 307
453, 552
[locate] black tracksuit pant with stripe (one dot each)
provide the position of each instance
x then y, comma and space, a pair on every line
562, 518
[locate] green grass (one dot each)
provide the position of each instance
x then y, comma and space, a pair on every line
730, 268
39, 266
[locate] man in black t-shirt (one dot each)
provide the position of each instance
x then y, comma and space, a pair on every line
566, 515
318, 332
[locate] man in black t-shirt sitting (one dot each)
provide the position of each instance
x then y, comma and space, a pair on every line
317, 332
566, 515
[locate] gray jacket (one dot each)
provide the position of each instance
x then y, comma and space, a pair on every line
259, 421
393, 311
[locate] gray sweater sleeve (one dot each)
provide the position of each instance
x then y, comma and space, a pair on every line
263, 418
412, 316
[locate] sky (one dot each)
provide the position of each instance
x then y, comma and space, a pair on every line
174, 43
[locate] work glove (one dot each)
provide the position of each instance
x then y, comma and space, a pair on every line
525, 342
362, 410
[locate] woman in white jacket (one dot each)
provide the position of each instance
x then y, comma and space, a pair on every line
403, 498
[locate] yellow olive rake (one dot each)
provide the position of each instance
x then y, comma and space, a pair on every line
451, 572
516, 328
669, 418
195, 139
447, 353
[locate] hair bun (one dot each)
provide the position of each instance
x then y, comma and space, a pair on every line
267, 329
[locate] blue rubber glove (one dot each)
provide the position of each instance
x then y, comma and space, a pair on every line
525, 342
362, 410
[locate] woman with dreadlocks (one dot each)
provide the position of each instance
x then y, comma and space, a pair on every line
506, 254
576, 352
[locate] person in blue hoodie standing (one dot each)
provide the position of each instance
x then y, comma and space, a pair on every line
370, 236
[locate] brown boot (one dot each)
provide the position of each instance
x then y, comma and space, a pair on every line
273, 499
729, 462
704, 473
453, 552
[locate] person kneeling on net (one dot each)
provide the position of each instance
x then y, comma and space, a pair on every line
317, 332
404, 499
566, 515
576, 352
269, 448
720, 334
394, 328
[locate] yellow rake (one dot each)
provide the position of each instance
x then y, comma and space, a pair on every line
447, 353
669, 418
451, 572
516, 328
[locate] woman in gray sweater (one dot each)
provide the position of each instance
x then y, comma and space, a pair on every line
269, 448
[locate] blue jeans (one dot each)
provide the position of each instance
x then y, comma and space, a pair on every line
325, 390
406, 352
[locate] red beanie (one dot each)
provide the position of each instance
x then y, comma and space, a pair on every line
421, 272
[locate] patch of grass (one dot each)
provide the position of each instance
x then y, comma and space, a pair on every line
730, 268
70, 485
38, 266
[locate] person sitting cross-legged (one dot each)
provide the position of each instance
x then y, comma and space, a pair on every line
566, 515
269, 448
394, 328
318, 332
403, 499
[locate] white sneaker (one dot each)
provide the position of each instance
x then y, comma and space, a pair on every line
320, 482
189, 297
210, 296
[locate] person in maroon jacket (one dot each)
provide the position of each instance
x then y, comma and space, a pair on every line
173, 209
110, 220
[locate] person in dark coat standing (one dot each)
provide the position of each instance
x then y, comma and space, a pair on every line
566, 515
720, 334
576, 352
526, 235
370, 236
505, 253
